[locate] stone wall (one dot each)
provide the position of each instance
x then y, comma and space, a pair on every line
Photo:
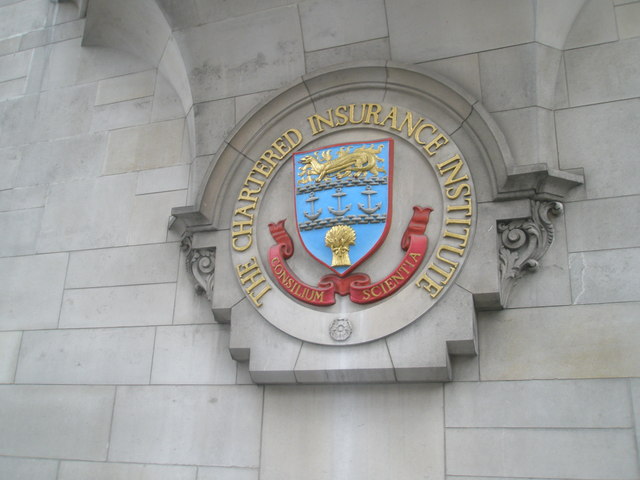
111, 365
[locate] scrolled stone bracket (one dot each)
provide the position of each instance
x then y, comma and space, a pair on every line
200, 263
523, 242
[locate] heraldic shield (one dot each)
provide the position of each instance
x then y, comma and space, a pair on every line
343, 201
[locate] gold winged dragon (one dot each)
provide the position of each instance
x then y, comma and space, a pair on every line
348, 162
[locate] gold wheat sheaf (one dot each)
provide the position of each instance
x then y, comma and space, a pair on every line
339, 239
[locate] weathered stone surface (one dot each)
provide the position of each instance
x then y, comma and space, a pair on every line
246, 103
193, 354
18, 116
9, 162
217, 426
595, 24
519, 76
589, 341
221, 473
270, 361
605, 276
416, 28
87, 214
635, 399
148, 146
377, 49
557, 453
589, 79
15, 65
22, 227
58, 33
9, 45
375, 432
214, 121
332, 23
22, 198
167, 104
420, 351
163, 179
28, 468
9, 348
91, 356
628, 18
126, 87
31, 291
123, 471
72, 64
370, 363
465, 368
55, 119
172, 69
124, 114
122, 266
150, 216
531, 135
134, 305
62, 160
22, 17
214, 13
12, 88
580, 146
539, 404
554, 20
55, 421
241, 57
464, 70
603, 224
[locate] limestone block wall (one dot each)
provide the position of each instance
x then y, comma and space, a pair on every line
112, 367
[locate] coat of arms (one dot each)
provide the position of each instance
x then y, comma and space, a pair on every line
343, 201
343, 205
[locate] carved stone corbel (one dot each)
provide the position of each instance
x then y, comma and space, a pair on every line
200, 264
523, 243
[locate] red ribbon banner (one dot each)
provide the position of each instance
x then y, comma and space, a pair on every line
358, 285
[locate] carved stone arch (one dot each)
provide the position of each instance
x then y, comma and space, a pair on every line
459, 113
514, 197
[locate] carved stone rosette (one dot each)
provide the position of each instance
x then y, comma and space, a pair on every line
523, 243
200, 263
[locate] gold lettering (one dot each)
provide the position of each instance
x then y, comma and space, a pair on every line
373, 110
457, 221
445, 275
245, 211
419, 131
250, 272
458, 191
408, 120
437, 142
281, 147
352, 108
257, 181
467, 208
449, 248
433, 288
341, 114
464, 237
243, 268
268, 157
287, 135
391, 116
456, 169
262, 168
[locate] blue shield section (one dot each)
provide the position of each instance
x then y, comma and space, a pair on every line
347, 185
